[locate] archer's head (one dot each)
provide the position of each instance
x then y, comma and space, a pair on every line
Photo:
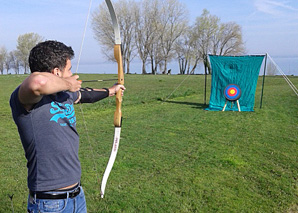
49, 55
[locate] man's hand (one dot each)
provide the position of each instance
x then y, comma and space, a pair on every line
74, 83
115, 88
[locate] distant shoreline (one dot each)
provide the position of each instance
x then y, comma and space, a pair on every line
289, 65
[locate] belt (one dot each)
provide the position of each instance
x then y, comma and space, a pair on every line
55, 195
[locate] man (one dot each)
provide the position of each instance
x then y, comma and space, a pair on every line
42, 108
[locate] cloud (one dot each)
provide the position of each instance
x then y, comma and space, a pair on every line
276, 8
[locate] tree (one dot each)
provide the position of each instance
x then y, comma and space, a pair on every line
145, 29
14, 61
173, 22
228, 40
188, 52
216, 38
25, 43
205, 28
8, 62
159, 26
104, 32
150, 31
183, 51
3, 56
127, 10
150, 27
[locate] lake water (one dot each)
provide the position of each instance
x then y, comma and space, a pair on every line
289, 65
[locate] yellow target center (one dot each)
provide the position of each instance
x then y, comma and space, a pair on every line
232, 91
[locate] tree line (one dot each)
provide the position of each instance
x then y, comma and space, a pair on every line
157, 32
18, 59
153, 31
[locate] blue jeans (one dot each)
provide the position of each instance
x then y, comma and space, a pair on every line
73, 205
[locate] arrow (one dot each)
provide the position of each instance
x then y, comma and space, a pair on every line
87, 81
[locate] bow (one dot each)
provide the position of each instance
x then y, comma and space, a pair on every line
118, 113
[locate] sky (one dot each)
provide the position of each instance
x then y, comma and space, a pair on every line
268, 26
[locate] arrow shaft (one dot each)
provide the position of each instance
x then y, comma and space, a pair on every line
100, 80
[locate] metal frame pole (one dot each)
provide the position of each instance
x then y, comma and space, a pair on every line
263, 84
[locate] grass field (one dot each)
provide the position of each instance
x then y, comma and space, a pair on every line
174, 156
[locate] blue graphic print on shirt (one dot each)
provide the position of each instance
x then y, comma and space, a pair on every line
62, 111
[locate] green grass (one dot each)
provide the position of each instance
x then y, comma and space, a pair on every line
174, 156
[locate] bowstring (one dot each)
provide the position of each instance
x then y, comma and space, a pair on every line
176, 88
84, 35
80, 104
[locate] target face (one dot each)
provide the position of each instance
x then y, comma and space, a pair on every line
232, 92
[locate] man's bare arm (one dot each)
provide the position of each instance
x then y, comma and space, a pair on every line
41, 83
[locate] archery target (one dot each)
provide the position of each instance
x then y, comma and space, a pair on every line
232, 92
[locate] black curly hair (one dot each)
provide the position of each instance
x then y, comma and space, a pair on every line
48, 55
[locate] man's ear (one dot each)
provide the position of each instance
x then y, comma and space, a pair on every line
56, 71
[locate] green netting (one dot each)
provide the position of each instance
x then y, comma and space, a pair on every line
240, 70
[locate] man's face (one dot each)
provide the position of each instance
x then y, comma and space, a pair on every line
67, 70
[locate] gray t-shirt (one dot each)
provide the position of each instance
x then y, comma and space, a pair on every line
50, 140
